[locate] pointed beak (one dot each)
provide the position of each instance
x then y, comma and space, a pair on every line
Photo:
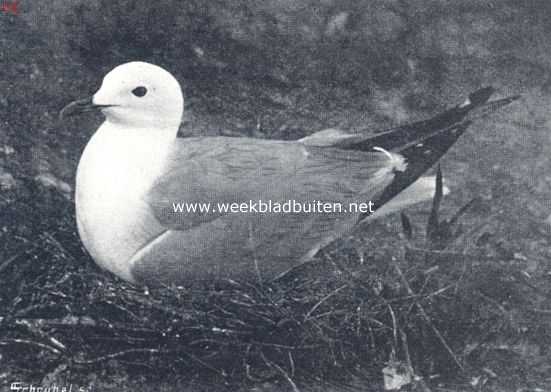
80, 106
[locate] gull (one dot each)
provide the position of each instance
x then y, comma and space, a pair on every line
135, 168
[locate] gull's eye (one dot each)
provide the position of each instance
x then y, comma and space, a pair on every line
139, 91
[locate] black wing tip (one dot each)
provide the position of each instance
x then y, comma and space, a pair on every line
481, 96
513, 98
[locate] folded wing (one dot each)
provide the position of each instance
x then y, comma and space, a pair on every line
218, 243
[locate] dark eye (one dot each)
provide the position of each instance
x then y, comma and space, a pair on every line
139, 91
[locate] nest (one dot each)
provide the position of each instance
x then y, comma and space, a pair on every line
424, 315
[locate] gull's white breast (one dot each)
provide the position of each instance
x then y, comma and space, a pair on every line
115, 171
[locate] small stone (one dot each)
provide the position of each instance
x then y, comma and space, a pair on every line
6, 180
7, 150
337, 24
50, 181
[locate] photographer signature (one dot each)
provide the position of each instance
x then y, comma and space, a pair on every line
9, 7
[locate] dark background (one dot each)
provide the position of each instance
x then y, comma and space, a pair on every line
293, 66
284, 69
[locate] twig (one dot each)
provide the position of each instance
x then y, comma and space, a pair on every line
494, 302
285, 347
453, 220
119, 354
317, 305
248, 367
78, 321
30, 343
291, 362
123, 309
206, 365
285, 375
41, 334
428, 319
394, 327
11, 259
51, 239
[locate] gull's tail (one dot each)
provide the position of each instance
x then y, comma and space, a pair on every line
423, 143
478, 110
399, 138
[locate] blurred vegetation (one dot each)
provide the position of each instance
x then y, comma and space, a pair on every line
283, 69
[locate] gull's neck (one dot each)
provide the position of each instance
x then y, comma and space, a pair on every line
134, 139
132, 157
157, 134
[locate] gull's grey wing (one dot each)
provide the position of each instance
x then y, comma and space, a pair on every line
236, 246
219, 245
236, 170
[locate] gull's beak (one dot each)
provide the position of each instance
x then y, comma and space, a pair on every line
80, 106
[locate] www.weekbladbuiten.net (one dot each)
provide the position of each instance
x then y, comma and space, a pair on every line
270, 206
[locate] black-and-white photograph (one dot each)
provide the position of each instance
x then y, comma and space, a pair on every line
275, 196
